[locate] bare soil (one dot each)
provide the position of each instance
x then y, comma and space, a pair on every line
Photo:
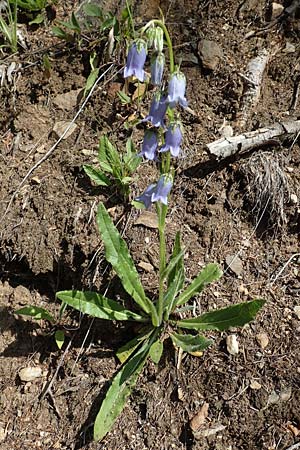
49, 239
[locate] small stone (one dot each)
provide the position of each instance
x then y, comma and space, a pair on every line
255, 385
67, 100
61, 126
285, 394
232, 344
263, 340
277, 9
234, 263
147, 267
210, 53
289, 48
294, 199
148, 218
243, 290
147, 240
297, 311
226, 131
30, 373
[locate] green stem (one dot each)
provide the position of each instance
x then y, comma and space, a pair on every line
168, 39
161, 212
130, 18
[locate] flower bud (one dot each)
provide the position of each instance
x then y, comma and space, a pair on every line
157, 68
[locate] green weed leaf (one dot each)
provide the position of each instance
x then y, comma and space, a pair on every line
93, 10
97, 306
210, 273
96, 175
222, 319
119, 391
124, 352
117, 254
125, 100
190, 343
156, 351
59, 338
36, 313
91, 80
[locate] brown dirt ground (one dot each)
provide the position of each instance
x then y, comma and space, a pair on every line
49, 241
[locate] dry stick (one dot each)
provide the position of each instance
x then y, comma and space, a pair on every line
253, 81
293, 447
225, 147
51, 150
295, 255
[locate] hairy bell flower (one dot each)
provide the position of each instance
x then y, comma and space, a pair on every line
149, 145
157, 69
146, 196
162, 189
173, 138
135, 60
158, 110
176, 89
157, 192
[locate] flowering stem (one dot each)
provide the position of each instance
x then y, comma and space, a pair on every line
161, 212
160, 24
130, 17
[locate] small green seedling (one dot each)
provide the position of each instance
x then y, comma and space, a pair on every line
31, 5
39, 313
8, 26
115, 167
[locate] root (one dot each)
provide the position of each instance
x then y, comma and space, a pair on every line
268, 188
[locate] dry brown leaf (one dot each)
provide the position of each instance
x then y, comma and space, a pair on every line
199, 418
148, 219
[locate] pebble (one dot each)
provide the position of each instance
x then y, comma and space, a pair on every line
294, 199
277, 9
30, 373
263, 340
60, 128
297, 311
232, 344
255, 385
147, 267
234, 263
210, 53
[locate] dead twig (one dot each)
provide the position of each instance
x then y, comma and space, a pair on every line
225, 147
252, 86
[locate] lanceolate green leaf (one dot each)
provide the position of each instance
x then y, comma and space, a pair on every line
190, 343
156, 351
120, 389
35, 312
210, 273
117, 254
222, 319
96, 175
124, 352
98, 306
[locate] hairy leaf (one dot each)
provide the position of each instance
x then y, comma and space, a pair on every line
222, 319
36, 312
97, 306
210, 273
117, 254
120, 389
190, 343
108, 155
124, 352
96, 175
156, 351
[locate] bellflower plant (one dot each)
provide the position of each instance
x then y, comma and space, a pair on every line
135, 60
157, 69
173, 139
176, 90
149, 146
157, 316
158, 110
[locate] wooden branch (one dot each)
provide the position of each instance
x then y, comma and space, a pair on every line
224, 147
252, 87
